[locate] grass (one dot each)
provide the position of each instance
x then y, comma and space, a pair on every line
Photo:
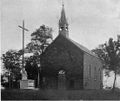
18, 94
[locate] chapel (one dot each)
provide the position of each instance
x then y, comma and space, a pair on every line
66, 64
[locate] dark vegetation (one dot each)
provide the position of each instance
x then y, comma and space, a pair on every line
59, 95
40, 39
109, 53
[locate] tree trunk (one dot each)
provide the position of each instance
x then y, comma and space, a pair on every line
114, 81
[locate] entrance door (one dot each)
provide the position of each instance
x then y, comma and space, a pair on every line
61, 79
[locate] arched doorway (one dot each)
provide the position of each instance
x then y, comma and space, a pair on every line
61, 79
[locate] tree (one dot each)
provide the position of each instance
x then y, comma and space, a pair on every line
11, 61
32, 69
40, 39
109, 53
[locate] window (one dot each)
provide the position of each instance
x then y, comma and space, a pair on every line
100, 73
95, 76
89, 71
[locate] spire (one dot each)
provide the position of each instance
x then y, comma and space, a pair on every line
63, 24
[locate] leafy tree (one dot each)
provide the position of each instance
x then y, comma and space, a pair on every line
109, 53
40, 39
32, 69
11, 61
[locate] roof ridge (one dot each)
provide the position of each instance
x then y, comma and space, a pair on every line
83, 48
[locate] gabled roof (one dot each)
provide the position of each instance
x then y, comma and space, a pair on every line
84, 49
81, 47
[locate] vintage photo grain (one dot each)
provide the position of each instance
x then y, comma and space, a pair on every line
60, 50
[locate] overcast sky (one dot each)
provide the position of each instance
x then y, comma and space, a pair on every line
91, 22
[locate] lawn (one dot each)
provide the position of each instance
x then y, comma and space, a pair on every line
18, 94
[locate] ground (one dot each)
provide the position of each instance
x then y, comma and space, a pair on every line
59, 95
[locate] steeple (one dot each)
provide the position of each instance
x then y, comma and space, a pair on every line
63, 24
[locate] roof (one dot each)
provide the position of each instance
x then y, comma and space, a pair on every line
63, 19
84, 49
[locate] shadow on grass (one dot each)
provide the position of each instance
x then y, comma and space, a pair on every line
50, 94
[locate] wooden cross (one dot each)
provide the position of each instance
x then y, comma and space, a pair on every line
23, 29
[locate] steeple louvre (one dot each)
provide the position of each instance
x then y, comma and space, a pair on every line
63, 24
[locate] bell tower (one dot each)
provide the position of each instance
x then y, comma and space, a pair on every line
63, 24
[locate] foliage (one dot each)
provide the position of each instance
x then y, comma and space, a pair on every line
109, 53
51, 94
40, 39
11, 61
31, 67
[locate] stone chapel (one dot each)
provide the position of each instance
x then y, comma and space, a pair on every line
68, 65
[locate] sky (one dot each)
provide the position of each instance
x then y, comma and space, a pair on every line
91, 22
